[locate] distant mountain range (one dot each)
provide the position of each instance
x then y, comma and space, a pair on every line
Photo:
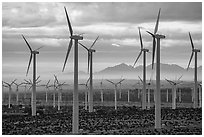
169, 71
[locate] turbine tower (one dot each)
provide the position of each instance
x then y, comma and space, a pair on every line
33, 54
75, 115
157, 37
101, 86
90, 64
10, 90
115, 84
195, 101
144, 70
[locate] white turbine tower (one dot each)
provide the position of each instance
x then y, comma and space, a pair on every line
101, 86
47, 86
75, 115
195, 101
158, 94
90, 62
8, 85
144, 70
115, 84
33, 54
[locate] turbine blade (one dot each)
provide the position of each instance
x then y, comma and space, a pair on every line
27, 43
31, 55
140, 39
120, 81
137, 58
153, 51
39, 48
48, 82
87, 81
140, 79
68, 51
150, 33
84, 46
37, 78
170, 82
94, 42
110, 81
13, 81
180, 77
191, 40
157, 23
190, 60
68, 22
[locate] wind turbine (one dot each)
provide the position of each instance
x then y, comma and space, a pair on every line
17, 88
75, 115
86, 95
195, 101
47, 86
32, 84
148, 94
59, 86
90, 62
144, 70
115, 84
174, 88
157, 37
120, 91
33, 54
8, 85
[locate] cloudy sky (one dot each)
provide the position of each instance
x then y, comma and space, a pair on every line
116, 24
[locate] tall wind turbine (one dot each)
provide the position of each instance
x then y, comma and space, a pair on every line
33, 54
10, 89
75, 115
174, 88
17, 88
195, 101
90, 62
115, 84
144, 70
157, 37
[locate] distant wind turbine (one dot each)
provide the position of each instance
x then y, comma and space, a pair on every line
75, 115
200, 94
90, 64
17, 88
47, 86
195, 101
144, 70
174, 88
59, 86
8, 85
115, 84
158, 94
86, 94
33, 54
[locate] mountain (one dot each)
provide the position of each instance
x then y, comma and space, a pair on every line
171, 71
